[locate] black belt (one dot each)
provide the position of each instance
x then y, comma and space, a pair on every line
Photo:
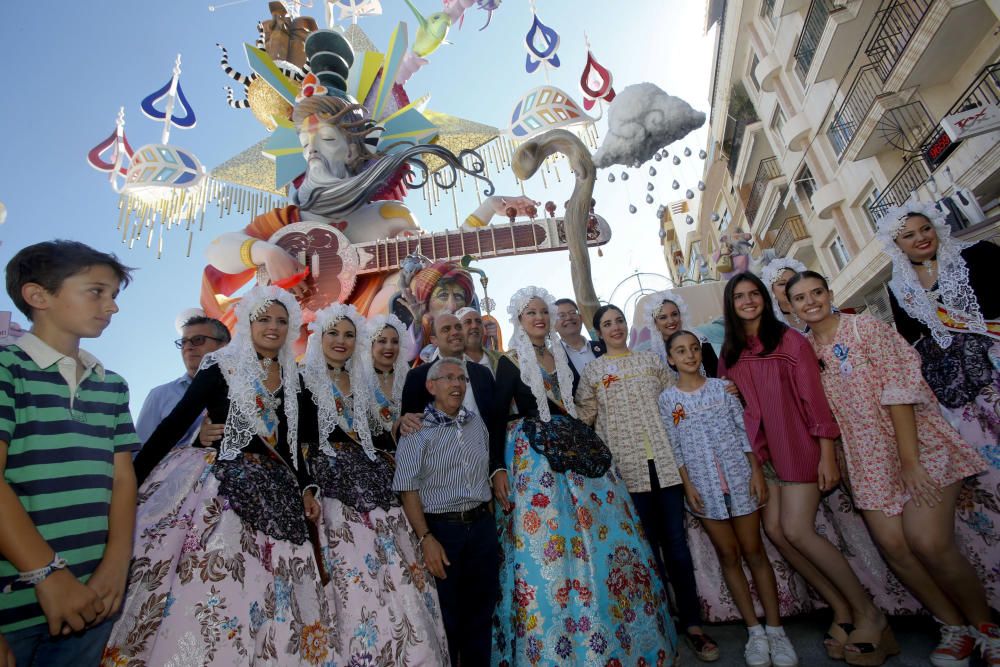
467, 516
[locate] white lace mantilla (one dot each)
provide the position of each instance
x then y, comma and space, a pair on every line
531, 371
953, 290
242, 370
375, 327
335, 409
770, 275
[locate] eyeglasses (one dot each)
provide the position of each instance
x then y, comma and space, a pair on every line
453, 378
568, 314
195, 341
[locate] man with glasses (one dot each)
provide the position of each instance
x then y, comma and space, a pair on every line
449, 337
442, 475
580, 350
199, 336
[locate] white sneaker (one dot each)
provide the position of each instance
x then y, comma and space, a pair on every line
782, 653
757, 652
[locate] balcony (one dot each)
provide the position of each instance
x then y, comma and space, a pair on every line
792, 231
985, 89
812, 31
897, 24
847, 26
767, 171
851, 114
948, 34
892, 122
913, 174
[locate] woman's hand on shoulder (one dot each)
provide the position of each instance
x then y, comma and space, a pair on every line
210, 433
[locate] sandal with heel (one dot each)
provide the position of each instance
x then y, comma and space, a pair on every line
835, 647
867, 654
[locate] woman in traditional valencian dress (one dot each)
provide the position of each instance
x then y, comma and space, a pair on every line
618, 394
776, 275
384, 604
578, 582
223, 571
665, 313
905, 463
385, 368
946, 303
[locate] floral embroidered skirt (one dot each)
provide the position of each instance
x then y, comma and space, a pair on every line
205, 588
578, 584
383, 598
966, 377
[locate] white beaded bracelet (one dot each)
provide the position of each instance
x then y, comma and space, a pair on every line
35, 577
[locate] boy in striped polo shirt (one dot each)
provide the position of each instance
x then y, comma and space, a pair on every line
67, 489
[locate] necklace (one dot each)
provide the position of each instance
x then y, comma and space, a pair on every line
335, 371
540, 349
266, 363
928, 265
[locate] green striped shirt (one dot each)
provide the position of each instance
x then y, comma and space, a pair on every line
61, 442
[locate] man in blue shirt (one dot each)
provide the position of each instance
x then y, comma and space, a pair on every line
199, 336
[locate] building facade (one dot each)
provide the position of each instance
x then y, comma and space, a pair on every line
826, 113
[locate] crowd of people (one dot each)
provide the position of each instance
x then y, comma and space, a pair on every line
527, 505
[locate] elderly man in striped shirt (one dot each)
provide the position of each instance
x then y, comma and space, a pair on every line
442, 473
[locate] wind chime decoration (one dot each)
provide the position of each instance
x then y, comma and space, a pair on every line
595, 82
542, 43
162, 186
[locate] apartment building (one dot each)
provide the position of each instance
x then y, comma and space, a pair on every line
826, 113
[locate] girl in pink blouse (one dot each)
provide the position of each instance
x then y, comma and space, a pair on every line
792, 431
905, 462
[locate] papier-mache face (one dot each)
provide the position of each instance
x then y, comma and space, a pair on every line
325, 148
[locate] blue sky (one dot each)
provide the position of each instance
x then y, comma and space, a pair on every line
70, 69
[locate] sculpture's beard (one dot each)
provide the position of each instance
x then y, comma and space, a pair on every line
329, 196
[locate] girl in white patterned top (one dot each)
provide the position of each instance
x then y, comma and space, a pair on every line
724, 487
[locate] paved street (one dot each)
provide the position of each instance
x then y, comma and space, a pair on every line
916, 636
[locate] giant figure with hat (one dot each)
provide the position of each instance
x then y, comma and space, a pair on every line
351, 194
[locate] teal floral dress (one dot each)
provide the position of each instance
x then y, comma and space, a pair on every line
578, 584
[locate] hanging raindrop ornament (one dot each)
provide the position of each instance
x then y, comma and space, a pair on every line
652, 171
702, 154
687, 152
595, 82
688, 219
542, 43
649, 187
632, 208
665, 153
624, 175
701, 186
657, 157
637, 164
677, 160
660, 211
689, 194
714, 217
675, 185
649, 199
611, 178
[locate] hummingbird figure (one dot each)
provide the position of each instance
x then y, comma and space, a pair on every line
431, 33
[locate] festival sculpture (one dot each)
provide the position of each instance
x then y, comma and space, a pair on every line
346, 235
